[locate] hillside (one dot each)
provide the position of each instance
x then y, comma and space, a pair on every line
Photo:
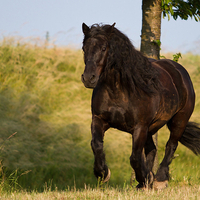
43, 99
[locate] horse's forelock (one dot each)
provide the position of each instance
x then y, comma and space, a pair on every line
99, 31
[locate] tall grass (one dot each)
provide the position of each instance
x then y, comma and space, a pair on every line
44, 101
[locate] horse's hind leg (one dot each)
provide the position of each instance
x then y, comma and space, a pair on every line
176, 126
101, 170
150, 152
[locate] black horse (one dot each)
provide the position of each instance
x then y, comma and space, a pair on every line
137, 95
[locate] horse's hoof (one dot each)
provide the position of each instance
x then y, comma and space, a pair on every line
148, 185
140, 186
160, 185
107, 177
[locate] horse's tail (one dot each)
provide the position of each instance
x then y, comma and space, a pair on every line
191, 137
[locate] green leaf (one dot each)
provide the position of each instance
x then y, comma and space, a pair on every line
157, 42
168, 16
171, 10
163, 57
181, 8
176, 57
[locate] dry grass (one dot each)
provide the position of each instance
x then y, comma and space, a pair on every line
175, 193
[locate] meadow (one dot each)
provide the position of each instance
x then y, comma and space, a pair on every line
45, 131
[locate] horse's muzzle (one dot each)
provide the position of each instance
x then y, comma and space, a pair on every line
89, 80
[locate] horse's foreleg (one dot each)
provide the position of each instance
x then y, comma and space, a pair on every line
138, 158
101, 170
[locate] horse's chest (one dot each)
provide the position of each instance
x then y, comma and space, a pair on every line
120, 118
120, 112
116, 115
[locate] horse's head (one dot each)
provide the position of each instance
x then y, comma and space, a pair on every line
95, 47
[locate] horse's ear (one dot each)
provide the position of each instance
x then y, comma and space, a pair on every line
113, 25
85, 29
110, 29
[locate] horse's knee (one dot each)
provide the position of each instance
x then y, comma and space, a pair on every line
97, 146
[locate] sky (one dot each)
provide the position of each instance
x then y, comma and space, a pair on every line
62, 19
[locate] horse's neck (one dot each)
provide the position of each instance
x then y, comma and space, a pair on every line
114, 86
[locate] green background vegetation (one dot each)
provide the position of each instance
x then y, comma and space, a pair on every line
43, 99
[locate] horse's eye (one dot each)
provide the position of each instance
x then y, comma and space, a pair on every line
103, 48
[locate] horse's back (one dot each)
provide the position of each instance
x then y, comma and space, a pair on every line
179, 76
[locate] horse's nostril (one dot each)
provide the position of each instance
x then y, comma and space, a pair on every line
92, 77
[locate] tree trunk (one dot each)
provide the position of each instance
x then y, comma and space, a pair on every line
150, 44
151, 28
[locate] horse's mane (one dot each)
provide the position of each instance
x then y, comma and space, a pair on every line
136, 72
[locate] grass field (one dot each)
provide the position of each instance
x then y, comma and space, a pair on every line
43, 102
175, 193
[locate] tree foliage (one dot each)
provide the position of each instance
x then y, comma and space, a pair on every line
181, 8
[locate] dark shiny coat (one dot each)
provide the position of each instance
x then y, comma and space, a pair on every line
137, 95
